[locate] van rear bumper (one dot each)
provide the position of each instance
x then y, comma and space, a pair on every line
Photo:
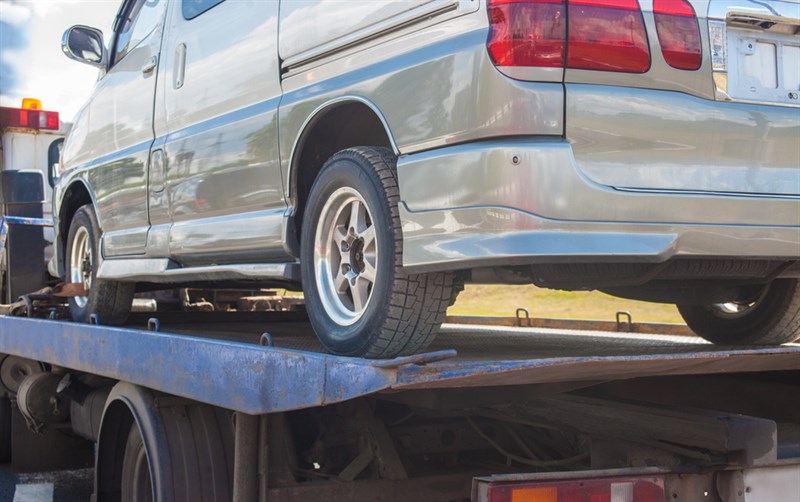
524, 201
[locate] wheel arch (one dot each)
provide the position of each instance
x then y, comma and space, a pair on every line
322, 135
77, 194
188, 445
127, 406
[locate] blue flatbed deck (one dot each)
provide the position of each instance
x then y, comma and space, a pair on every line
218, 359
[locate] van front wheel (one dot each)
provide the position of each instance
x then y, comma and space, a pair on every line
359, 299
111, 301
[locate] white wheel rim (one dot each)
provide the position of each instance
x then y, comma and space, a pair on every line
81, 263
345, 256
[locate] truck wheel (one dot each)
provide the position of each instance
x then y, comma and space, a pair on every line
136, 482
772, 319
359, 299
5, 430
152, 446
110, 300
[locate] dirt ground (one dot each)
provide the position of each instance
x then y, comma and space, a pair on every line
504, 301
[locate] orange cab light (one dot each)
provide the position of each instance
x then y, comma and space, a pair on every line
31, 104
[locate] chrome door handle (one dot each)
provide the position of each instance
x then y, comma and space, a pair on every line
150, 66
180, 66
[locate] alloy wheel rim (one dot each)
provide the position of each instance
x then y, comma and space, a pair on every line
81, 263
345, 256
735, 310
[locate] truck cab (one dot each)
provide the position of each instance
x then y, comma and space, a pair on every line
30, 147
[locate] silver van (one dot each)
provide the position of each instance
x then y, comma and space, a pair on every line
384, 153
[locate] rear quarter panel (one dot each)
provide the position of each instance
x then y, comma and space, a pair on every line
431, 79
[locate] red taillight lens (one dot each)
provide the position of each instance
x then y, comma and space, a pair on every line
527, 33
604, 35
649, 489
28, 118
607, 35
678, 33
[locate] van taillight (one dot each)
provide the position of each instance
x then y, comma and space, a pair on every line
28, 118
633, 489
607, 35
604, 35
678, 33
527, 33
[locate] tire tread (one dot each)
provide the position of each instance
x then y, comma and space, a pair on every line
111, 301
417, 303
420, 306
774, 322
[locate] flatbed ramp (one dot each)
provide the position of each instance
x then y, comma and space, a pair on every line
228, 361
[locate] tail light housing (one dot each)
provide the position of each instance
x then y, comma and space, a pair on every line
630, 489
606, 35
28, 118
678, 33
526, 33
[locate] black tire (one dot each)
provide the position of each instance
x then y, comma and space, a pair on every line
137, 484
773, 319
5, 430
111, 301
403, 311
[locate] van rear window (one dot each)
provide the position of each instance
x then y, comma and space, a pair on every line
193, 8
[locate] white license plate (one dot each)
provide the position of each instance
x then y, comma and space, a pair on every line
764, 67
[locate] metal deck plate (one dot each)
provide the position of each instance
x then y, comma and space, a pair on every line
510, 356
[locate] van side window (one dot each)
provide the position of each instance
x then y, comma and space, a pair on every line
141, 17
193, 8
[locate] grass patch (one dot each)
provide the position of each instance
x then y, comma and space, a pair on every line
502, 300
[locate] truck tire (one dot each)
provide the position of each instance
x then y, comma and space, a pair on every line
772, 319
152, 446
5, 430
110, 300
359, 299
137, 485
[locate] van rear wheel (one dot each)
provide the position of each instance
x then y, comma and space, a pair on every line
359, 299
771, 318
111, 301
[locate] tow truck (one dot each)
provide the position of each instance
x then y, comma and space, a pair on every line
30, 145
211, 405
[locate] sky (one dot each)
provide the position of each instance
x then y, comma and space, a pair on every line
31, 62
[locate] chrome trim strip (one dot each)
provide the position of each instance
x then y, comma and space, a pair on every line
787, 196
109, 157
231, 117
165, 271
381, 28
